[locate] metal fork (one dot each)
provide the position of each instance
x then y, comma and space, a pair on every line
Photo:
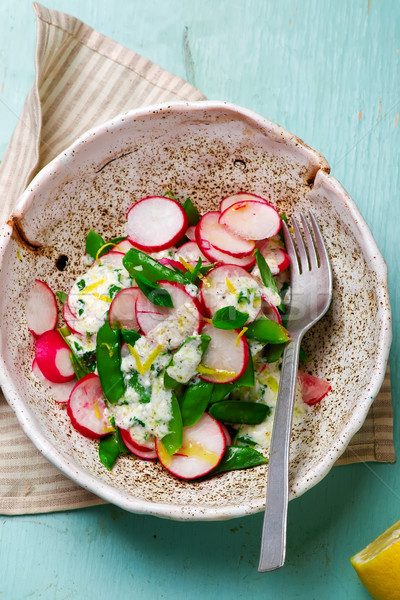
311, 294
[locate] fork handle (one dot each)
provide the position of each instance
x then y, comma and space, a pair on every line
273, 541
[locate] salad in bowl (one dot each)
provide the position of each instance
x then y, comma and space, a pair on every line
172, 338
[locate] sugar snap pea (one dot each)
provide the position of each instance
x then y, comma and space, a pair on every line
267, 331
173, 439
137, 262
232, 411
195, 401
108, 352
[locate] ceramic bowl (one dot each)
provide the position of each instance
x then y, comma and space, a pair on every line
205, 151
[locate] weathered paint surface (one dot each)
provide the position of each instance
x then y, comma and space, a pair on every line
328, 72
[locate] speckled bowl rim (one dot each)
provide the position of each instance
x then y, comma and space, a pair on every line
376, 264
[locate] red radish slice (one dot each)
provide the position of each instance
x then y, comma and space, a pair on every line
41, 308
156, 223
226, 356
169, 262
60, 391
122, 313
218, 289
114, 259
190, 252
134, 447
175, 324
270, 311
53, 357
239, 197
125, 350
143, 454
191, 233
123, 246
69, 318
313, 389
202, 450
251, 220
227, 435
216, 256
276, 258
86, 408
210, 230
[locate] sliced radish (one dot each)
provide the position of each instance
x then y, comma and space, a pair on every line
276, 257
169, 326
69, 318
226, 356
191, 233
41, 308
239, 197
227, 435
53, 357
220, 237
114, 259
313, 389
123, 246
202, 450
251, 220
190, 252
147, 452
169, 262
270, 311
60, 391
156, 223
86, 408
216, 256
221, 288
122, 313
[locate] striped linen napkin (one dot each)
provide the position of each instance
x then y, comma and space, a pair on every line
83, 79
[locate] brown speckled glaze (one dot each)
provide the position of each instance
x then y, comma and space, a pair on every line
204, 150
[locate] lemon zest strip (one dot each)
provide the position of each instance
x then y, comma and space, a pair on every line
242, 332
91, 287
230, 286
96, 409
19, 254
101, 297
186, 264
142, 368
97, 259
203, 370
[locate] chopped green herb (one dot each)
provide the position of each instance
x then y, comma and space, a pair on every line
81, 284
139, 422
191, 211
229, 318
113, 290
62, 296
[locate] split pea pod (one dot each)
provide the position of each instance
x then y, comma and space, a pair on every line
108, 352
231, 411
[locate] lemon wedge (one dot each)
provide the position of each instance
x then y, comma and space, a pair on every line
378, 565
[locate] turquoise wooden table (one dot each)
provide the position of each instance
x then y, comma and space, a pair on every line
329, 72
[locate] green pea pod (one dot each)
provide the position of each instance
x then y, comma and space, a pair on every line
232, 411
110, 447
169, 382
221, 391
80, 368
62, 296
267, 331
273, 352
137, 262
191, 211
108, 352
195, 402
173, 440
242, 457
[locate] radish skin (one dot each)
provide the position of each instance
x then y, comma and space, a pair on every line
313, 389
122, 313
53, 357
86, 408
239, 197
41, 308
226, 357
203, 447
209, 230
156, 223
251, 220
216, 256
144, 452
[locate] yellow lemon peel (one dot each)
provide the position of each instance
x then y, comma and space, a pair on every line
242, 332
91, 287
142, 368
230, 286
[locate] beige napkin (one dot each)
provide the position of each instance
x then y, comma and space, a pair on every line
83, 79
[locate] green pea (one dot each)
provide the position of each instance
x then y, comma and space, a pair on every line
250, 413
